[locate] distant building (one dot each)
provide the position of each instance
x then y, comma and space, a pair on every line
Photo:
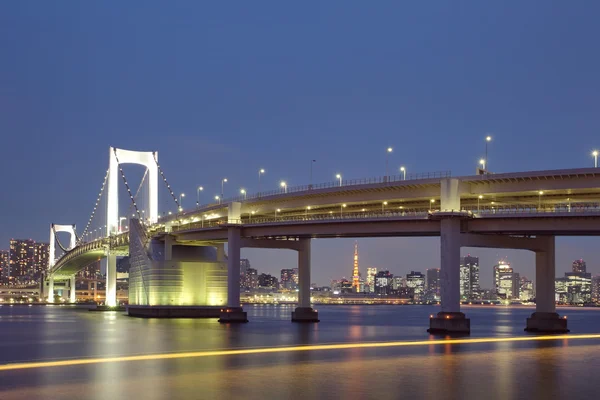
250, 280
355, 271
416, 281
579, 266
397, 282
122, 265
469, 277
433, 284
526, 293
295, 278
244, 266
4, 266
503, 280
516, 289
371, 272
596, 289
92, 271
21, 260
286, 280
383, 283
267, 281
41, 254
346, 286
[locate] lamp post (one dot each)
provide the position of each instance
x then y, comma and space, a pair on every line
200, 188
342, 206
431, 204
181, 196
478, 198
223, 185
251, 214
403, 170
284, 186
383, 206
276, 211
387, 156
540, 193
487, 140
243, 191
482, 162
339, 176
595, 154
306, 212
217, 198
260, 172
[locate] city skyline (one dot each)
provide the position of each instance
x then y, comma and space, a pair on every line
209, 119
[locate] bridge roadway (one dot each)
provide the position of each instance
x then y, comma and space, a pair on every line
469, 211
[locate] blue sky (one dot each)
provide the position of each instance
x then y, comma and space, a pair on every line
222, 89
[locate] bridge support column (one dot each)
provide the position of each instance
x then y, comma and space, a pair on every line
233, 312
72, 284
111, 280
545, 319
50, 289
450, 319
304, 312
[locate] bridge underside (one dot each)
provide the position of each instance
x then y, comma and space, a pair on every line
75, 265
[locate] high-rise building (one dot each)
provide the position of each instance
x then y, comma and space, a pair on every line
503, 280
244, 266
4, 266
416, 280
251, 279
596, 289
267, 281
397, 282
526, 293
355, 272
371, 272
469, 277
294, 278
516, 288
22, 258
579, 266
41, 254
383, 283
286, 280
433, 284
92, 271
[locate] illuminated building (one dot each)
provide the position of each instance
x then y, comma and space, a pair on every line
250, 279
469, 277
267, 281
433, 284
416, 281
286, 280
527, 293
21, 259
503, 280
596, 289
346, 286
516, 289
294, 278
371, 272
41, 252
579, 266
355, 272
4, 266
383, 283
244, 266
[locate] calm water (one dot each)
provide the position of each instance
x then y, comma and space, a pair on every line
532, 370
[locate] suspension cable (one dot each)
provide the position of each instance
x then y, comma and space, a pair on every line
95, 207
127, 186
165, 180
57, 240
138, 191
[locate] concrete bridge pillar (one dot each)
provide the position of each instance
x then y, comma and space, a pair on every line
545, 319
233, 312
304, 312
50, 289
72, 284
450, 319
111, 280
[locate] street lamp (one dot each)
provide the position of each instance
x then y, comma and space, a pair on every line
121, 219
284, 186
339, 176
243, 191
482, 162
387, 153
478, 198
540, 193
342, 206
251, 214
306, 211
217, 198
487, 140
403, 170
260, 172
431, 203
595, 154
181, 196
276, 211
200, 188
383, 206
223, 183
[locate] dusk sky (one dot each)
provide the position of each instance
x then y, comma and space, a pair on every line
221, 89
